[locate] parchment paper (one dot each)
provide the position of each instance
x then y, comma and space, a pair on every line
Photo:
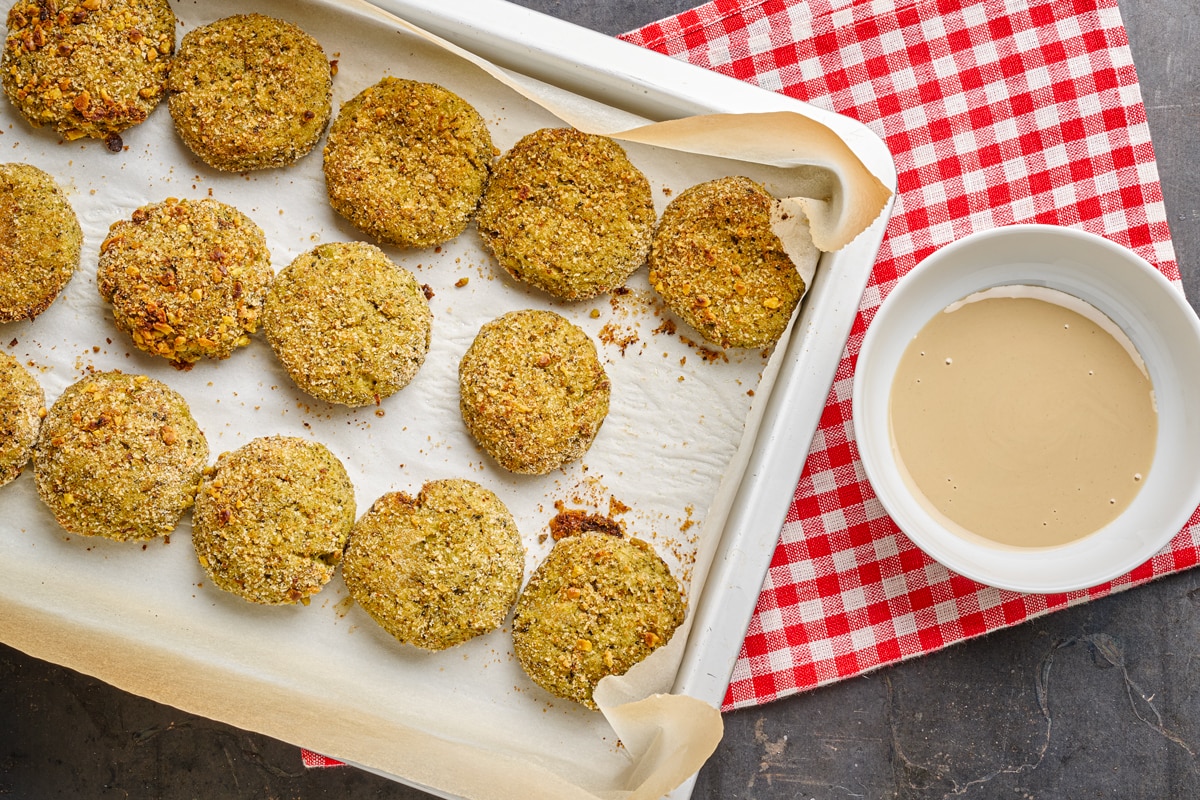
324, 676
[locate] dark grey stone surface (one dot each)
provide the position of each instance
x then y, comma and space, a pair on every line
1095, 702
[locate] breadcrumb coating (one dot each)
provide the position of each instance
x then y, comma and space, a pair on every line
719, 265
532, 391
272, 519
407, 162
437, 570
595, 607
119, 456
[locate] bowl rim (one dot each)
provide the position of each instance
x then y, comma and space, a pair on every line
1142, 529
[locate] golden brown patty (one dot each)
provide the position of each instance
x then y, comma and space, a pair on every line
595, 607
250, 92
90, 68
567, 212
349, 326
438, 570
186, 278
532, 391
407, 162
119, 456
21, 407
718, 264
272, 519
40, 239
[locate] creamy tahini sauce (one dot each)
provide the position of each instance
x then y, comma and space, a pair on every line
1024, 416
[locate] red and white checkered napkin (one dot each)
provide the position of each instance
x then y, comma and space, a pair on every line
311, 759
996, 112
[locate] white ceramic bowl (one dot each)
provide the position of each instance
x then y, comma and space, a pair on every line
1153, 314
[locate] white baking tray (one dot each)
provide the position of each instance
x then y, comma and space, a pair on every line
658, 88
642, 83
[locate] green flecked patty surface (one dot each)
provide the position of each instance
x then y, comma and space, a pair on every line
186, 278
717, 263
567, 212
407, 162
349, 326
250, 92
272, 519
119, 456
40, 240
595, 607
21, 407
86, 67
437, 570
532, 391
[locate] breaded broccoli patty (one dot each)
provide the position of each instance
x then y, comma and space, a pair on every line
532, 391
437, 570
119, 456
250, 92
407, 162
596, 606
186, 278
349, 326
22, 404
40, 240
719, 265
272, 519
88, 67
567, 212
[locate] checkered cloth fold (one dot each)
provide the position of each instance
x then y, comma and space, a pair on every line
996, 112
